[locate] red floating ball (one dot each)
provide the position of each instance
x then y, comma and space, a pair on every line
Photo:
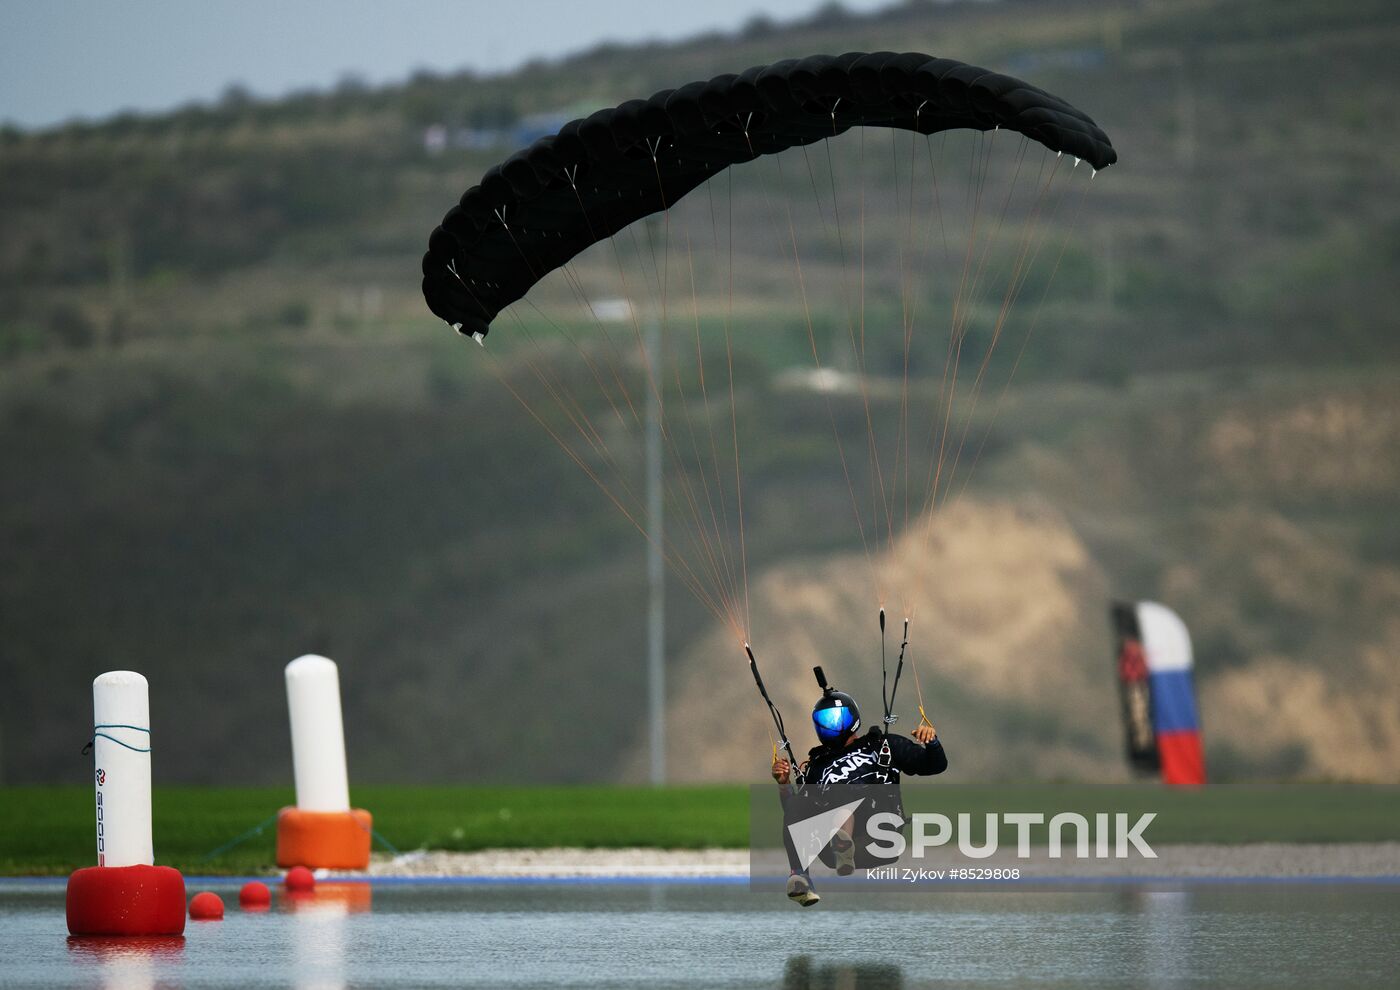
299, 878
254, 894
206, 906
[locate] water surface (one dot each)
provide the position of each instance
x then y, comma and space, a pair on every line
723, 935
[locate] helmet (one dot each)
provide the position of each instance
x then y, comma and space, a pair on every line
836, 715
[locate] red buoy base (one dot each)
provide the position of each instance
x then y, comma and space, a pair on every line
331, 840
126, 900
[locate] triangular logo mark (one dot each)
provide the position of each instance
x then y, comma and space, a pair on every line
811, 835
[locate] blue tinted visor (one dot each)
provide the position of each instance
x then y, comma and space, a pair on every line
833, 723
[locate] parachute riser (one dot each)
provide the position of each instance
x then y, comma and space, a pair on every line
886, 757
797, 779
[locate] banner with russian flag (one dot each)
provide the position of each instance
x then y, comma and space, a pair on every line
1155, 676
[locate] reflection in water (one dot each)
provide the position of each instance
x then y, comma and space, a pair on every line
126, 961
801, 973
1168, 915
319, 937
333, 898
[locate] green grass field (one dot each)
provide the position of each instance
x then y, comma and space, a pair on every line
48, 830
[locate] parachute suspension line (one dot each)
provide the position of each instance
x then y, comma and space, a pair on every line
953, 356
1026, 254
719, 561
741, 621
918, 688
906, 244
910, 307
969, 307
452, 268
816, 196
738, 475
561, 396
662, 270
878, 501
733, 405
816, 359
720, 485
721, 532
571, 410
696, 530
1028, 251
907, 248
937, 196
582, 297
798, 781
683, 569
967, 288
1035, 319
877, 470
739, 584
937, 211
1031, 244
720, 601
857, 354
583, 355
577, 285
614, 356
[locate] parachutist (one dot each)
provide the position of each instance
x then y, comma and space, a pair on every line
845, 758
478, 264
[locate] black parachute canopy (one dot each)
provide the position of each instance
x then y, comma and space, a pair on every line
543, 205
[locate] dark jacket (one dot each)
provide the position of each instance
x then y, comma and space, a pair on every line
861, 763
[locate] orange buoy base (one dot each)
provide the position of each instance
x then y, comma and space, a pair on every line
126, 900
332, 840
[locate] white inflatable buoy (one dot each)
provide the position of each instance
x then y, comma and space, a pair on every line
322, 831
125, 893
121, 748
318, 735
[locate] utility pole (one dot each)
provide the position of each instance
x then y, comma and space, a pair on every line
656, 571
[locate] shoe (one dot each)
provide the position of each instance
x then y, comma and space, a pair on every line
845, 849
799, 889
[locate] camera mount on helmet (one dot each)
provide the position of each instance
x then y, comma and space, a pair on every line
836, 714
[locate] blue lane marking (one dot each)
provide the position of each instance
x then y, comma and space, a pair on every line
739, 880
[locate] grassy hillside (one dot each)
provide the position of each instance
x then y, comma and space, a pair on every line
232, 434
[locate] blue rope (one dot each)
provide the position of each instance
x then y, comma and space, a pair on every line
238, 840
116, 725
258, 829
385, 842
134, 749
